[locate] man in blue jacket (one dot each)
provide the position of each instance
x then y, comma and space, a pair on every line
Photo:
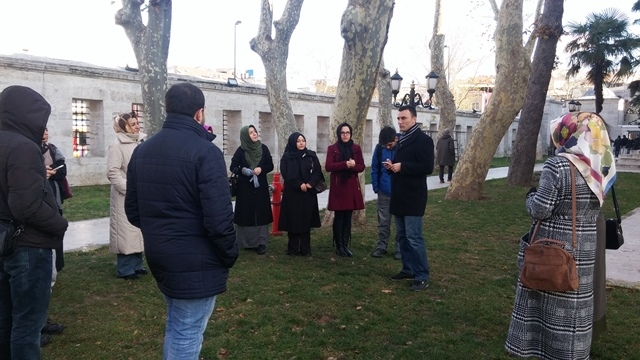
178, 195
410, 166
381, 182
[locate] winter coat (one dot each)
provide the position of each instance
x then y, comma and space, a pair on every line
446, 151
25, 194
253, 205
344, 193
55, 180
299, 210
124, 238
178, 195
409, 186
380, 177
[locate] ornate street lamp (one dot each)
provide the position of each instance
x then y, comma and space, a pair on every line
574, 105
412, 98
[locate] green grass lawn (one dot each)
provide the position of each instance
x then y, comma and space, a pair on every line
281, 307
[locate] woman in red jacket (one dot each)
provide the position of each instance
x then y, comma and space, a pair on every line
344, 162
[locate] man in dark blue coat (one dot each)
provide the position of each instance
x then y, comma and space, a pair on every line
178, 195
411, 164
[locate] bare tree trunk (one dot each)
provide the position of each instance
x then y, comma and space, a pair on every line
445, 101
274, 53
364, 28
385, 118
548, 31
151, 46
512, 72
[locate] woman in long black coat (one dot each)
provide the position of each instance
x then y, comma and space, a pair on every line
299, 213
252, 162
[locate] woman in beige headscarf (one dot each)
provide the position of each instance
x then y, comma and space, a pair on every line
125, 240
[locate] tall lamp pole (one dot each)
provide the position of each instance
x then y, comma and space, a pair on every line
234, 47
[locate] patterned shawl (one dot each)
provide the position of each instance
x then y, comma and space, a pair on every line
583, 139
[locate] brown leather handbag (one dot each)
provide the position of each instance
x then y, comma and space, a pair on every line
547, 265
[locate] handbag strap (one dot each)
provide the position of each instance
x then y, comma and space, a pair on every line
573, 209
615, 205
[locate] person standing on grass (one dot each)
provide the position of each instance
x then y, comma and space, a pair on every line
555, 324
252, 162
26, 197
178, 195
301, 172
125, 240
344, 162
381, 183
409, 168
446, 155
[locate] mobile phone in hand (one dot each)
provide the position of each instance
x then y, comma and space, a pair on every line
58, 167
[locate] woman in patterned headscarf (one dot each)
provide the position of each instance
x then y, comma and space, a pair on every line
252, 162
125, 240
554, 325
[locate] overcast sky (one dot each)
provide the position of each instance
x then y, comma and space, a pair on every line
202, 33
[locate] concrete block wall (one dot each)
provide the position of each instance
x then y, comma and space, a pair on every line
113, 91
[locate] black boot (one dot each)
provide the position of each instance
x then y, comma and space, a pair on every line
346, 239
337, 240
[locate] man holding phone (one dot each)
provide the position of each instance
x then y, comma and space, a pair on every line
409, 168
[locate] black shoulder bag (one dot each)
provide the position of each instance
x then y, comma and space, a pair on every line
615, 238
9, 231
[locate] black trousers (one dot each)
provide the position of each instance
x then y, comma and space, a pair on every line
450, 175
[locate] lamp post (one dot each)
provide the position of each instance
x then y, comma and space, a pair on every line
235, 27
412, 98
574, 105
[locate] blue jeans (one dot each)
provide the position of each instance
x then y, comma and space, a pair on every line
128, 264
186, 321
25, 290
412, 247
384, 223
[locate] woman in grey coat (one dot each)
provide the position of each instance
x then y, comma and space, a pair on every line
558, 325
125, 240
446, 155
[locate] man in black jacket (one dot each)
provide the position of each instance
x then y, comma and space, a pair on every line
411, 164
178, 195
25, 196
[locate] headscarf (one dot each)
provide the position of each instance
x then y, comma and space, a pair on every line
291, 149
121, 124
583, 139
252, 150
346, 152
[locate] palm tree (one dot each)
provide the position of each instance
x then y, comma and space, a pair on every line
604, 46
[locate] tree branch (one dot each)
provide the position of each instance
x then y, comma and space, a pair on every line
288, 22
531, 42
260, 43
130, 18
496, 9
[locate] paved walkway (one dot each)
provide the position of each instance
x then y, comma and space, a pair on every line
623, 265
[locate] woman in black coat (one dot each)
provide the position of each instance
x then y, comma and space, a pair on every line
252, 162
299, 213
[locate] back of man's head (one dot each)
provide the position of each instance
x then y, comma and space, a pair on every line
387, 135
184, 99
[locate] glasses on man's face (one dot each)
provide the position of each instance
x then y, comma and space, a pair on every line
345, 133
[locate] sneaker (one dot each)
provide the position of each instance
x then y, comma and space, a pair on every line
402, 276
419, 285
44, 340
261, 250
51, 328
379, 253
397, 256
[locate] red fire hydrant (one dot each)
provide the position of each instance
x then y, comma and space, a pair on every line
276, 200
